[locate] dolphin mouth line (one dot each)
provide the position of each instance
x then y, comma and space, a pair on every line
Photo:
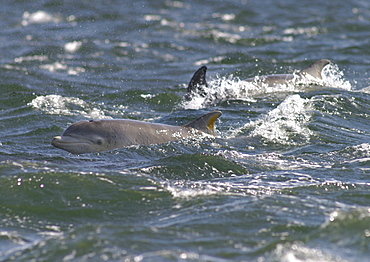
71, 145
58, 141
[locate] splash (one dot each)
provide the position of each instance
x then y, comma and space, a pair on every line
299, 252
332, 76
286, 124
219, 90
72, 106
229, 87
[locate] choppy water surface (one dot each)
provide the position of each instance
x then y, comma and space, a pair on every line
287, 179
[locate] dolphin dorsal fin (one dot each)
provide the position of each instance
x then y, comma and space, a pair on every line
315, 68
205, 123
198, 80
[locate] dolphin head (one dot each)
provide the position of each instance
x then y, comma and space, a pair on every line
82, 137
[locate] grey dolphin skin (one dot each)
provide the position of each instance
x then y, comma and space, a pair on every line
310, 74
103, 135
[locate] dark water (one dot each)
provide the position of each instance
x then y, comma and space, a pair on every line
286, 180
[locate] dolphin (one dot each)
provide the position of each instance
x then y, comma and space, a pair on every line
309, 75
108, 134
197, 84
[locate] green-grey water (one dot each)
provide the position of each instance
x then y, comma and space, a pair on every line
286, 179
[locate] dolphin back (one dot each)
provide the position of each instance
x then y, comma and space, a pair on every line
205, 123
315, 68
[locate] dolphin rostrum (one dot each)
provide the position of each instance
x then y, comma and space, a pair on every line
103, 135
309, 75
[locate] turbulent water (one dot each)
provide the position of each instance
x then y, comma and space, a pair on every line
286, 179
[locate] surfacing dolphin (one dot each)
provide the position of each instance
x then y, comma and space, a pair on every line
309, 75
103, 135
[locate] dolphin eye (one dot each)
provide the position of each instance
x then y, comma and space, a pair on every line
99, 142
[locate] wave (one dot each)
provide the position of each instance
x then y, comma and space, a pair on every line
286, 124
259, 184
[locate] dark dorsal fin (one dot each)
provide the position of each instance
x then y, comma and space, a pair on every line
315, 68
198, 80
205, 123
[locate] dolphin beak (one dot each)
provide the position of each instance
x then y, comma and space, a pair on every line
58, 140
55, 140
71, 144
65, 142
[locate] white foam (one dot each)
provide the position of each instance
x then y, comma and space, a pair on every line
309, 31
39, 58
221, 89
363, 149
229, 87
332, 76
72, 47
224, 88
285, 121
39, 17
298, 252
193, 189
179, 192
60, 67
273, 160
59, 105
257, 184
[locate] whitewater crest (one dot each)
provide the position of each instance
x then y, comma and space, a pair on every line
332, 76
72, 106
286, 124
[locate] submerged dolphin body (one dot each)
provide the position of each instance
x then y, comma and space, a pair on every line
103, 135
309, 75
